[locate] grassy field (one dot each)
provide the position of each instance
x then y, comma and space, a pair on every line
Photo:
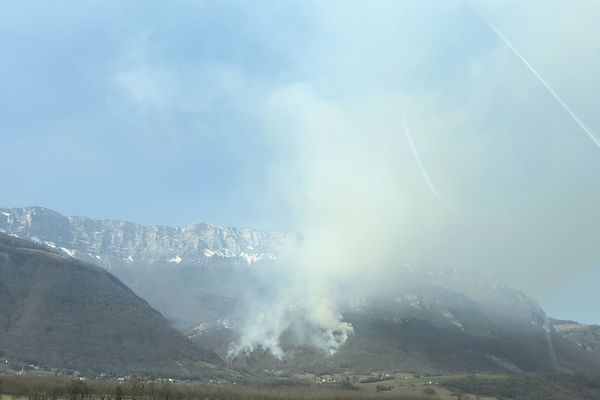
301, 386
398, 385
483, 386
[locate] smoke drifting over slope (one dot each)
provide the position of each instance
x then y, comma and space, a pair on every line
342, 183
289, 115
347, 176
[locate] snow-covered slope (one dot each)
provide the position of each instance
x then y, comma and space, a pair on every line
116, 244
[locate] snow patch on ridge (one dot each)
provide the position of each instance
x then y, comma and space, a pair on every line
176, 259
250, 258
69, 252
211, 326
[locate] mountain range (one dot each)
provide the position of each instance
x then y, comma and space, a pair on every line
432, 320
188, 273
118, 244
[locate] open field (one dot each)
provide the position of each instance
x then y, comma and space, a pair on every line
486, 386
393, 384
55, 388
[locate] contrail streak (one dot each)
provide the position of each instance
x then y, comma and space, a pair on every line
413, 148
540, 78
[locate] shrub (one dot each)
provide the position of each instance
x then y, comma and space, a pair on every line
430, 391
383, 388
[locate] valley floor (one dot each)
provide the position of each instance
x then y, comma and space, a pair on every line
485, 386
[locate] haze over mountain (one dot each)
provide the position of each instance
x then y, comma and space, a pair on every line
426, 320
293, 116
162, 264
321, 192
207, 280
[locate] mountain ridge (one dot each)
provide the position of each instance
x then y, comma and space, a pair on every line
198, 277
118, 244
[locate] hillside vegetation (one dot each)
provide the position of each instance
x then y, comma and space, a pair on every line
63, 313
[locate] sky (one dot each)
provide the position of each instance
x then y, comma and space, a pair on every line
408, 120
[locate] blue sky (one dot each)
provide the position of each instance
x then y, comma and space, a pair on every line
280, 114
127, 111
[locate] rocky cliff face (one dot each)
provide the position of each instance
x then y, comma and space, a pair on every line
585, 336
117, 244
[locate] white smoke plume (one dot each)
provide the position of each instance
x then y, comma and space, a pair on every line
340, 174
308, 316
346, 179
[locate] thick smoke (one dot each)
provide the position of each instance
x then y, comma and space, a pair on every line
349, 181
340, 174
308, 315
